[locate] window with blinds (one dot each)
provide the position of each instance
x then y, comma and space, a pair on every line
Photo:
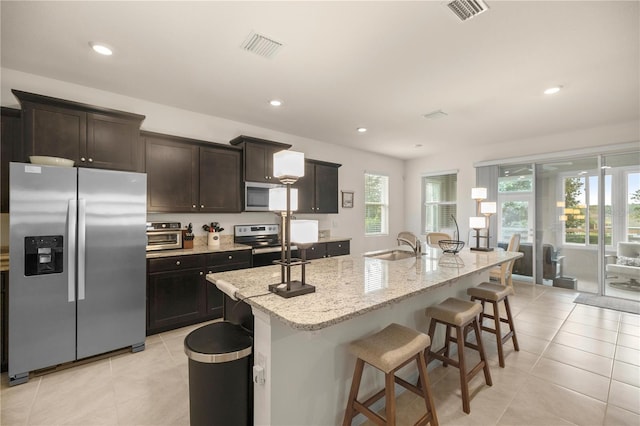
439, 197
376, 204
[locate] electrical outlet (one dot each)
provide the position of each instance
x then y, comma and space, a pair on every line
258, 375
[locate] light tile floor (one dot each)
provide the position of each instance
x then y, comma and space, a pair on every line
577, 365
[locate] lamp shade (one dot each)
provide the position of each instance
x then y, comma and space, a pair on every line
304, 231
278, 199
479, 193
288, 164
488, 207
477, 222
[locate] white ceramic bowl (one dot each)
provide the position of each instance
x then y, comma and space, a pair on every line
50, 161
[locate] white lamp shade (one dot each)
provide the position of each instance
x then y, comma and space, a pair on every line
278, 199
304, 231
477, 222
288, 163
479, 193
488, 207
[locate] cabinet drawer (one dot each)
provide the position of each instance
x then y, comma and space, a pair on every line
338, 248
176, 263
317, 251
228, 257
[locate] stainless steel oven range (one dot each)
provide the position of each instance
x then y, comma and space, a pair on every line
264, 239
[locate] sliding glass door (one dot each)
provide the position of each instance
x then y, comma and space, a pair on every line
567, 225
621, 253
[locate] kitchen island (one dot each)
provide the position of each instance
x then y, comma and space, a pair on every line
302, 342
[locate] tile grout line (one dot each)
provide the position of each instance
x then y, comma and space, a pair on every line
33, 401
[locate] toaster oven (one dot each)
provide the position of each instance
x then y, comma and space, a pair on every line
164, 236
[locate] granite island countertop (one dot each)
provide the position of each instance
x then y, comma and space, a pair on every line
349, 286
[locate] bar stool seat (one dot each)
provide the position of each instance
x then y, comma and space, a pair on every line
458, 314
494, 294
389, 350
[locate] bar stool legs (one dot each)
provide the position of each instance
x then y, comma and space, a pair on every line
494, 294
456, 315
388, 351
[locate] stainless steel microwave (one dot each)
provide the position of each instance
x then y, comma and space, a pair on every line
256, 196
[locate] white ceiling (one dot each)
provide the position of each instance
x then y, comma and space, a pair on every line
381, 65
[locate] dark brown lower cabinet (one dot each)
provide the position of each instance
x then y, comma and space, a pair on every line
178, 293
333, 248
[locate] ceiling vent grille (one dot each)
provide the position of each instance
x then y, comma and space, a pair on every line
467, 9
434, 115
261, 45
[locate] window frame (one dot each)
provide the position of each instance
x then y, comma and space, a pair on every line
426, 204
384, 205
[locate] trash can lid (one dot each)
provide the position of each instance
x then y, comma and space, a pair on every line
218, 342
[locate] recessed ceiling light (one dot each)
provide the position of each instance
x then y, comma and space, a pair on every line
361, 129
275, 102
605, 167
552, 90
101, 48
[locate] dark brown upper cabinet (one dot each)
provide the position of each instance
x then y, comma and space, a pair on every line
91, 136
258, 158
10, 143
318, 188
186, 175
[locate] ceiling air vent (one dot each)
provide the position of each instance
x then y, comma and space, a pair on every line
434, 115
467, 9
261, 45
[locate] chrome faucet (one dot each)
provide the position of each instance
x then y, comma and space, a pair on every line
411, 240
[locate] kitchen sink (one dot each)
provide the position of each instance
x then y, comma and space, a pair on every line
390, 254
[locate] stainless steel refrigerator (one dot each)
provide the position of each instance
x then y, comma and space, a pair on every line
77, 265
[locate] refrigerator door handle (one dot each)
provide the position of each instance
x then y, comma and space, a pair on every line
71, 253
82, 223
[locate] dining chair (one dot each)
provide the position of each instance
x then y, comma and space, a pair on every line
502, 273
434, 237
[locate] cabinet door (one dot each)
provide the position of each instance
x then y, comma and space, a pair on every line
255, 163
214, 300
306, 189
10, 143
172, 175
326, 189
220, 180
175, 298
112, 143
54, 131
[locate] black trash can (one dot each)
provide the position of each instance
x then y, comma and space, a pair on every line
219, 375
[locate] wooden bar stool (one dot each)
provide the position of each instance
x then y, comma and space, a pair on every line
457, 314
494, 294
388, 350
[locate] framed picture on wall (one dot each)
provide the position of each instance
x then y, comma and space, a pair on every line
347, 199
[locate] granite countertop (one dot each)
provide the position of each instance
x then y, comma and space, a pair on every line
349, 286
226, 244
